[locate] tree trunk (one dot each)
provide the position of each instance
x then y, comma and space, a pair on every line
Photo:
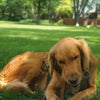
79, 7
77, 19
76, 12
32, 9
49, 12
39, 11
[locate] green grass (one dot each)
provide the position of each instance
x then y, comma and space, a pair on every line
19, 37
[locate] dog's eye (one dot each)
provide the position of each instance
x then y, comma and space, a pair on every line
62, 62
75, 57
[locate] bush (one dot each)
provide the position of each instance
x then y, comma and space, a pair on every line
14, 10
60, 22
98, 16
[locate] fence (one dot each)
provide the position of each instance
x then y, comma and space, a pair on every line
70, 21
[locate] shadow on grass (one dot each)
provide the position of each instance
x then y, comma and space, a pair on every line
42, 23
12, 46
14, 41
49, 36
8, 95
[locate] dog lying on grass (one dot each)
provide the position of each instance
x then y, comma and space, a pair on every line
71, 60
24, 72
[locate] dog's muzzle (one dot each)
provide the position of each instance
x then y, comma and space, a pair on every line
73, 81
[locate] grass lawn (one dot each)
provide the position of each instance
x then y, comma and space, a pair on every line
19, 37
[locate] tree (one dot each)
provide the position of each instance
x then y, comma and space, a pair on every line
38, 11
79, 8
32, 9
49, 10
38, 6
14, 10
52, 5
65, 7
3, 7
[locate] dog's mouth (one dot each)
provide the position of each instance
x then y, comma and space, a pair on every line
75, 85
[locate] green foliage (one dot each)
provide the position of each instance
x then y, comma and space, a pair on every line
65, 7
14, 10
19, 37
43, 4
54, 5
2, 7
98, 17
2, 2
17, 9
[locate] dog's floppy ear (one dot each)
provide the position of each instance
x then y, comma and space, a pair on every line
53, 62
83, 46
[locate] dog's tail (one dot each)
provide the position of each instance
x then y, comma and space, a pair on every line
2, 83
16, 86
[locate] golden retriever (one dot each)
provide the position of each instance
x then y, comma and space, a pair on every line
71, 60
24, 72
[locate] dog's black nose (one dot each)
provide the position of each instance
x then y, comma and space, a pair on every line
73, 80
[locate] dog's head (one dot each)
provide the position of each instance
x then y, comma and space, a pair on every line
70, 58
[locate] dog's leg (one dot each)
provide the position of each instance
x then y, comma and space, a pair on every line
53, 85
85, 94
42, 82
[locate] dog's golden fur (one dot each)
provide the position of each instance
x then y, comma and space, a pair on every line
68, 59
24, 72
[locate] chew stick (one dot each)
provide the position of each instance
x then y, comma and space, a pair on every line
63, 90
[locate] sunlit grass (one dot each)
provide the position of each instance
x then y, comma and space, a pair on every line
19, 37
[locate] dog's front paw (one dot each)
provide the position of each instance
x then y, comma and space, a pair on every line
71, 98
75, 98
53, 98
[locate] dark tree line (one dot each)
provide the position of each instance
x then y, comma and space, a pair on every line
17, 10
